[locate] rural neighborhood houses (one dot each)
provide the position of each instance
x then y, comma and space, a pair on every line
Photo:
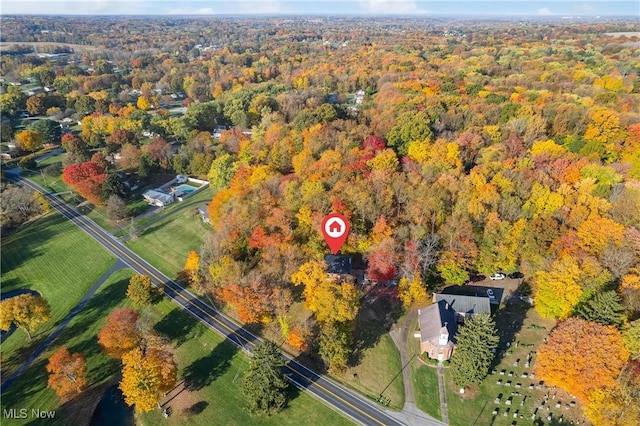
158, 198
175, 190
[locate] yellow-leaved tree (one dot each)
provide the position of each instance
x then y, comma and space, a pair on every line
147, 376
330, 299
142, 292
192, 267
557, 290
411, 291
26, 311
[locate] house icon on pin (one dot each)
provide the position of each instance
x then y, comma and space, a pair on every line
335, 227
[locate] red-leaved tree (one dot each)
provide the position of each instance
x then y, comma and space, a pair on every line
87, 179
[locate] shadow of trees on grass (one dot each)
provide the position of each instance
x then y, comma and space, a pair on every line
203, 371
380, 309
179, 327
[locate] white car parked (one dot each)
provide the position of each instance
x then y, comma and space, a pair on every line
498, 276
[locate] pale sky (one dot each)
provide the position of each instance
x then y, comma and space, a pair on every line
574, 8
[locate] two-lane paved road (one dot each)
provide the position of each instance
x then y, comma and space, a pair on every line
343, 400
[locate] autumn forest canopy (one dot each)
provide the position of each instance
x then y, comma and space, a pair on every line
454, 148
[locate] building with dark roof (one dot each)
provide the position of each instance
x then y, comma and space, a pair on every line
338, 264
464, 306
437, 331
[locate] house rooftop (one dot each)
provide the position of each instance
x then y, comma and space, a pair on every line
433, 320
204, 212
157, 195
338, 264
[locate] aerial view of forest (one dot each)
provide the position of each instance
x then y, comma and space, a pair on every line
489, 171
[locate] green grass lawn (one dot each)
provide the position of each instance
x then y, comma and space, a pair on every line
52, 256
210, 372
80, 335
166, 242
378, 369
210, 366
425, 387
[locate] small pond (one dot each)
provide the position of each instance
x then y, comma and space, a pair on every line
112, 410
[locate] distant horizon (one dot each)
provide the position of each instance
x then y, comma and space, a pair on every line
576, 9
326, 15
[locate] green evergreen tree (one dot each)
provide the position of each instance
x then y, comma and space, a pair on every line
604, 308
264, 384
476, 340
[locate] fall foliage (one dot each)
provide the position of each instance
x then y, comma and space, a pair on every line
26, 311
453, 152
86, 178
192, 267
119, 334
142, 292
67, 373
29, 140
330, 299
146, 377
617, 405
581, 357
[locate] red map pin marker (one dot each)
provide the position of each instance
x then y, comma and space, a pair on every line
335, 229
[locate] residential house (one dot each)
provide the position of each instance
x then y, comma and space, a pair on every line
158, 198
437, 331
338, 264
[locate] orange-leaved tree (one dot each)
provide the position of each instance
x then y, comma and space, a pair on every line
67, 373
147, 376
251, 300
618, 405
581, 357
119, 334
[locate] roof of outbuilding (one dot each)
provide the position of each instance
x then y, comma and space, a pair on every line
465, 304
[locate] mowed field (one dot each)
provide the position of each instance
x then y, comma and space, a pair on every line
30, 391
53, 257
210, 379
166, 242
